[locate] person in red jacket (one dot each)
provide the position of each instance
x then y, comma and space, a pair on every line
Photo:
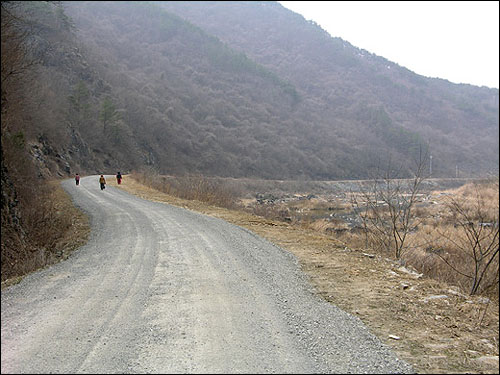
77, 179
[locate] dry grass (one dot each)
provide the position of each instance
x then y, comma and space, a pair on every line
432, 249
211, 191
442, 247
461, 236
54, 228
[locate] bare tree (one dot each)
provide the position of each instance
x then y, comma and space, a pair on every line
475, 238
15, 55
386, 207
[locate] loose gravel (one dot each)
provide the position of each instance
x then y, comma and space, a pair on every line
161, 289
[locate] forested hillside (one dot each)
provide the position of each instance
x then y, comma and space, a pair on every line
365, 100
235, 89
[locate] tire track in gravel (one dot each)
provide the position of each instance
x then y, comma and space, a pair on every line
161, 289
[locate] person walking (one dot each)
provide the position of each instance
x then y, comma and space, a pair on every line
77, 179
102, 181
119, 178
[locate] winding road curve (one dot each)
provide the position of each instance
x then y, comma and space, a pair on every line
160, 289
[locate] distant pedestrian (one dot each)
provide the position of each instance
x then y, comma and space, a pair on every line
77, 179
119, 178
102, 181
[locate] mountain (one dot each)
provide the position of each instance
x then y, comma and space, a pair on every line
240, 89
386, 103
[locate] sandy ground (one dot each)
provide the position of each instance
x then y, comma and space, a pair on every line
429, 324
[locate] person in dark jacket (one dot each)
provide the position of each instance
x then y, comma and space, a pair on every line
119, 178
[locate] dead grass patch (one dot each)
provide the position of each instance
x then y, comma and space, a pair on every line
56, 228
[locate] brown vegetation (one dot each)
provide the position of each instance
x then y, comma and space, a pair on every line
433, 228
199, 188
38, 220
357, 104
120, 86
462, 243
43, 230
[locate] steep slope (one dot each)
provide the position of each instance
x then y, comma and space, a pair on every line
210, 109
235, 89
61, 96
356, 89
195, 104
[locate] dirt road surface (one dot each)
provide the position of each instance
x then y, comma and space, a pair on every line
161, 289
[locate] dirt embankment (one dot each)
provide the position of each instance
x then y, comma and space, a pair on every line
429, 324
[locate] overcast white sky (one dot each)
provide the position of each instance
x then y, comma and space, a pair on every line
453, 40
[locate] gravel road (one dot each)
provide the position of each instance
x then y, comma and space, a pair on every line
160, 289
